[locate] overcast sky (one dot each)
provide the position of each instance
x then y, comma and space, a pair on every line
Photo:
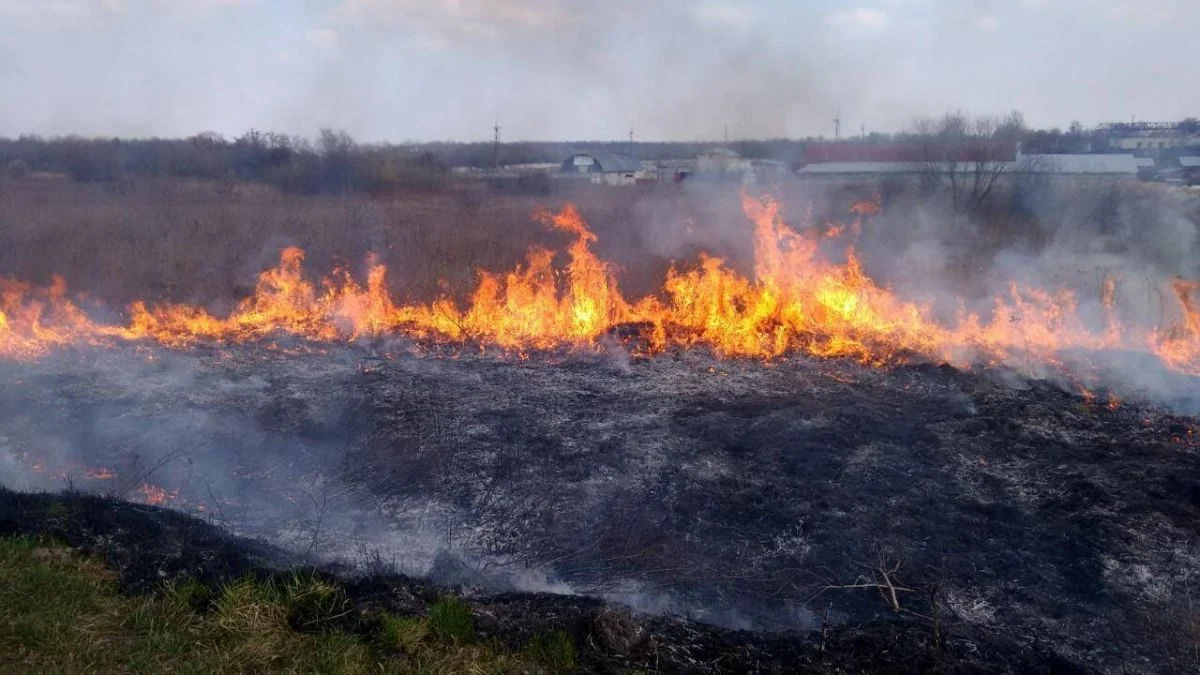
585, 69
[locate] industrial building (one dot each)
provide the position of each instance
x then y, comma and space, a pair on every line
1151, 136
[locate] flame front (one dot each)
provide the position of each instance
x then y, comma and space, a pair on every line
798, 301
1179, 345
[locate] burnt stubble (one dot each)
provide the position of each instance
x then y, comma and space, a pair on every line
799, 495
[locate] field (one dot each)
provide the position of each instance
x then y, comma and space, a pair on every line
1032, 506
206, 242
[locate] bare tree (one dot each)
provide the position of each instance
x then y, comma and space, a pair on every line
966, 155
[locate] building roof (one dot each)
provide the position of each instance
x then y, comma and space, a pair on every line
1189, 162
858, 151
719, 152
610, 162
1145, 162
1056, 164
903, 167
1080, 164
860, 167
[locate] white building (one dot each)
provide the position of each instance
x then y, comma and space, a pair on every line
603, 167
720, 161
1074, 166
1152, 136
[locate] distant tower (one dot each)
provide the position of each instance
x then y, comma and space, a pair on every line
864, 132
631, 142
837, 126
496, 144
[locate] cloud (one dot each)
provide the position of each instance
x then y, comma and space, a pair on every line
468, 17
82, 9
51, 8
1146, 11
725, 15
325, 39
987, 24
578, 68
858, 21
1138, 11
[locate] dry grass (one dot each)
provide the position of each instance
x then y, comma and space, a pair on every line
205, 243
61, 613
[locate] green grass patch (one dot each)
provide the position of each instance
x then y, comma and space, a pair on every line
451, 619
407, 634
555, 650
61, 612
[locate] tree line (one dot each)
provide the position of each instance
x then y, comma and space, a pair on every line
334, 162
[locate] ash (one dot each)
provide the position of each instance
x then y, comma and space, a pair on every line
778, 496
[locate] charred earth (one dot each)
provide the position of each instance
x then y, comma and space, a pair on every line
842, 517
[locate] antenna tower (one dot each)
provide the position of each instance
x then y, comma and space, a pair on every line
496, 144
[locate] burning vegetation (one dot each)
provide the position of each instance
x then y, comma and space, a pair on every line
790, 449
799, 300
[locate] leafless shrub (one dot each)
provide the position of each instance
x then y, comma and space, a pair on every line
18, 169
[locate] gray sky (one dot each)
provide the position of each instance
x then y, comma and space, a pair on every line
585, 69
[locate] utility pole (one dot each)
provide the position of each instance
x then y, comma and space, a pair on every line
727, 134
496, 144
837, 126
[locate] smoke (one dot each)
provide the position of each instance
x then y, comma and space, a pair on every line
553, 69
287, 449
1108, 243
1087, 237
225, 446
594, 71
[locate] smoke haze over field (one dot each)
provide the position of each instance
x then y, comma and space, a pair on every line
554, 69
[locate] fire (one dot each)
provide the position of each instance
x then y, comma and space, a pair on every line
1089, 397
1179, 346
154, 495
798, 301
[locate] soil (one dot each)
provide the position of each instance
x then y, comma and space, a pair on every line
680, 512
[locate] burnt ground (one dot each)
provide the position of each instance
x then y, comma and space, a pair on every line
1011, 520
147, 545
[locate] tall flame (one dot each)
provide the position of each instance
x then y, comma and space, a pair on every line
1179, 345
797, 301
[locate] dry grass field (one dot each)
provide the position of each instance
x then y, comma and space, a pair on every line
206, 242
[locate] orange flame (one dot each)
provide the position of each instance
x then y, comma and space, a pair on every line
154, 495
797, 301
1179, 345
1114, 403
